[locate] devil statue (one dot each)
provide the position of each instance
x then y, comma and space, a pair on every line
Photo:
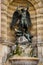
24, 24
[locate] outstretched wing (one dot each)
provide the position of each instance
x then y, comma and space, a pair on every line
14, 19
28, 18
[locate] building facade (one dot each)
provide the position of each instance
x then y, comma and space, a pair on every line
36, 14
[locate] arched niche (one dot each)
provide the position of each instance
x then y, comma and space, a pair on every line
38, 7
10, 10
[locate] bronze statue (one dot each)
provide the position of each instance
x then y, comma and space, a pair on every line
23, 17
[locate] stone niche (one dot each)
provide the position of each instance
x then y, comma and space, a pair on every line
10, 10
19, 60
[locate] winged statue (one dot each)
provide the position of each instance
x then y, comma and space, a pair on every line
23, 20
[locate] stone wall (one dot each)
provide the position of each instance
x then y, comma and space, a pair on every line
4, 50
0, 18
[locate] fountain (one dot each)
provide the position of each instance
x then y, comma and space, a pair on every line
23, 60
23, 50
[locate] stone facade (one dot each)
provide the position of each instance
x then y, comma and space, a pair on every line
36, 14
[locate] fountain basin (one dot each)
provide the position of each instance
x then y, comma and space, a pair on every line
23, 60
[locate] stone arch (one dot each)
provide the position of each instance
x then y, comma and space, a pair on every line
39, 7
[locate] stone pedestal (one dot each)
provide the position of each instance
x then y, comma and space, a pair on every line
24, 61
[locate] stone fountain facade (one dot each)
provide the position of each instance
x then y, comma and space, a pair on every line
36, 12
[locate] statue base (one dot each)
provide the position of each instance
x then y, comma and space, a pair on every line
25, 54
